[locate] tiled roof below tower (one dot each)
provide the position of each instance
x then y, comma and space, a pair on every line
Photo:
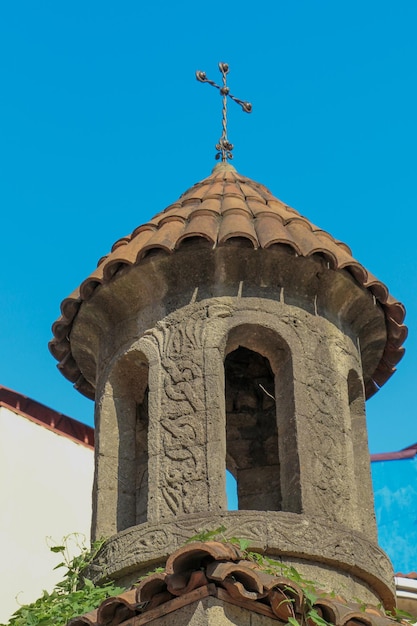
203, 570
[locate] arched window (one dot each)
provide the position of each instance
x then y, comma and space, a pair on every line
261, 448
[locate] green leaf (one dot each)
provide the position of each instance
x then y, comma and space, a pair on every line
293, 621
60, 565
88, 584
57, 548
310, 596
316, 618
294, 574
244, 544
398, 615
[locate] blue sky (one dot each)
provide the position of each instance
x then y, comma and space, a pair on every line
102, 125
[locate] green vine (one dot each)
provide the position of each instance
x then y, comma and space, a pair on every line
398, 615
74, 595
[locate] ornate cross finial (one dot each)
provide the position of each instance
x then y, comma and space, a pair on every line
224, 147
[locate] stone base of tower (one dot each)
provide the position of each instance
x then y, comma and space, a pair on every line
338, 559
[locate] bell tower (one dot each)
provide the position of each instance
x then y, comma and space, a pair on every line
229, 332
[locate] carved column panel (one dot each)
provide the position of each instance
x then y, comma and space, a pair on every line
324, 429
180, 480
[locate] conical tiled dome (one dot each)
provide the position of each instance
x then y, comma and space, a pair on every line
220, 208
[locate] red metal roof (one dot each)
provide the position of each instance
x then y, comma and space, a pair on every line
45, 416
406, 453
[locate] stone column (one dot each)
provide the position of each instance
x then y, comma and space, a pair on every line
186, 463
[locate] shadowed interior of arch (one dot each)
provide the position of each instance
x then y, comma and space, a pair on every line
251, 430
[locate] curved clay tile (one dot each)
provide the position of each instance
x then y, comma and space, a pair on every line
281, 605
151, 586
115, 610
207, 227
166, 236
212, 204
193, 555
270, 230
220, 208
250, 586
237, 223
219, 570
179, 584
357, 618
292, 591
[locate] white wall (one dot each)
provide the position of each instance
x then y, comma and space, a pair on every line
45, 490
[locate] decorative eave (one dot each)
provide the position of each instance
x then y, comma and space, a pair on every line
220, 570
221, 208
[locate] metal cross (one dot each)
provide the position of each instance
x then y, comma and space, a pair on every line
224, 147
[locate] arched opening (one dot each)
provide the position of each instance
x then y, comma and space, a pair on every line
129, 383
251, 430
261, 450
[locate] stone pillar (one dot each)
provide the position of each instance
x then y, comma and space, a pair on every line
180, 467
186, 449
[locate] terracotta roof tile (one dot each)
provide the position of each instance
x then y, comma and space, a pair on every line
212, 204
270, 230
411, 575
166, 236
180, 584
244, 209
199, 570
235, 223
202, 551
115, 610
250, 192
196, 192
233, 201
206, 226
256, 207
133, 250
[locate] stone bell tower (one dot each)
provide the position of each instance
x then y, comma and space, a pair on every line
229, 332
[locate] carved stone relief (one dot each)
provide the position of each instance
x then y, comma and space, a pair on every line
182, 481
